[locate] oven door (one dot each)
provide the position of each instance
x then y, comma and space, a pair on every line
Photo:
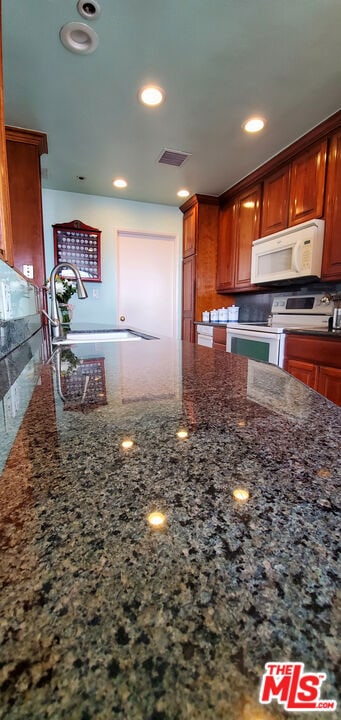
256, 345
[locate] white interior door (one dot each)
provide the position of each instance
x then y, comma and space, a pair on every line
146, 282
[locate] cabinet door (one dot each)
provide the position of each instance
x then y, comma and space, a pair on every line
188, 298
329, 383
304, 371
275, 202
6, 250
226, 248
24, 148
219, 338
331, 264
190, 231
247, 230
307, 184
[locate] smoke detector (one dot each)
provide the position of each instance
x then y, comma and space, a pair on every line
89, 9
79, 38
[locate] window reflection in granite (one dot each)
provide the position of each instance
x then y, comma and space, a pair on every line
269, 386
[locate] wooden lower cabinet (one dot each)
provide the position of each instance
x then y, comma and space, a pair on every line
304, 371
219, 338
316, 361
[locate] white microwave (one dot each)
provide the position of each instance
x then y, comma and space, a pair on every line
288, 256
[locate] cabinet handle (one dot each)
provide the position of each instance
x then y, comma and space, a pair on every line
122, 318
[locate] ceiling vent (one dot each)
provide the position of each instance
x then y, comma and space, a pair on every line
177, 158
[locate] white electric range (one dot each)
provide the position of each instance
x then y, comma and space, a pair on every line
266, 342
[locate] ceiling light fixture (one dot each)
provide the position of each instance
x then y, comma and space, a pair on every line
78, 38
253, 124
120, 183
183, 193
151, 95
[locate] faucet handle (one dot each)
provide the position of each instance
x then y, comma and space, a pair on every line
53, 322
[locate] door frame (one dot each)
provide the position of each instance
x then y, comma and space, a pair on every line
176, 270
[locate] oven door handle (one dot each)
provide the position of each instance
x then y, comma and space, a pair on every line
253, 334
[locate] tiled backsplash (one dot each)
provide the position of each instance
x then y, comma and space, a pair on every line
19, 309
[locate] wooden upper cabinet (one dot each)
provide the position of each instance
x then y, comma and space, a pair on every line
246, 230
190, 224
24, 148
275, 202
307, 184
6, 250
331, 264
226, 248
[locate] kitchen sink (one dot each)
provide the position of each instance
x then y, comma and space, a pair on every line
95, 336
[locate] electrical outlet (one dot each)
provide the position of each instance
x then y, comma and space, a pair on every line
95, 293
28, 271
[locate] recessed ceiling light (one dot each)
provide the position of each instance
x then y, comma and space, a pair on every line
120, 183
183, 193
151, 95
254, 124
79, 38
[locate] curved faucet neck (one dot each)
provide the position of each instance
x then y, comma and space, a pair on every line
56, 324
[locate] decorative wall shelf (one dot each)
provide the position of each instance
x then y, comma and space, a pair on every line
79, 244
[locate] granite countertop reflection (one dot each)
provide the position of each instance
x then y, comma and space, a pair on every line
103, 615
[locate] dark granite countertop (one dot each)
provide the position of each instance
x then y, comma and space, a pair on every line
102, 616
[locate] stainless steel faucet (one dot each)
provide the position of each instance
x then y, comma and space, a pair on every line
55, 319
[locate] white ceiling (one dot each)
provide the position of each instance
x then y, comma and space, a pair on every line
219, 62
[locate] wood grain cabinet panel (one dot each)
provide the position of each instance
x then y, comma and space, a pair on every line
315, 361
219, 338
188, 298
246, 230
201, 216
24, 148
6, 247
329, 383
190, 231
304, 371
275, 202
226, 248
307, 183
238, 226
331, 264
